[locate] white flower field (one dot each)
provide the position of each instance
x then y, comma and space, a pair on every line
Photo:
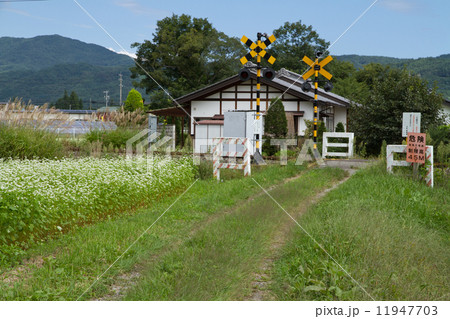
42, 197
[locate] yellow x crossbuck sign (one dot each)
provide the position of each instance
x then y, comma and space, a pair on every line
258, 49
321, 64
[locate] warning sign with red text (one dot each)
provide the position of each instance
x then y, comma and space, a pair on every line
415, 150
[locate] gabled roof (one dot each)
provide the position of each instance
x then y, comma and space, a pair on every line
285, 81
172, 111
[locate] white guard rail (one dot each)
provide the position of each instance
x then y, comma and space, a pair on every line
348, 145
390, 162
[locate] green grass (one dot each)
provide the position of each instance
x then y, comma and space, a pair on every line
218, 262
390, 233
26, 142
115, 138
63, 268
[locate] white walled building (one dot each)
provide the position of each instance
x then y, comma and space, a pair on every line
206, 106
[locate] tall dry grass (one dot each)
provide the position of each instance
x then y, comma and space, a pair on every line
129, 120
20, 114
27, 131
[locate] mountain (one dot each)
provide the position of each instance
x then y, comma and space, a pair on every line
41, 68
433, 69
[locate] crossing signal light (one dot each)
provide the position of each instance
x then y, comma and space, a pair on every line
268, 73
244, 74
328, 86
306, 86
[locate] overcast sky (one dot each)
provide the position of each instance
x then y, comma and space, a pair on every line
395, 28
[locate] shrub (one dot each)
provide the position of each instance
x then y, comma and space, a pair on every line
340, 127
116, 138
267, 148
26, 131
275, 123
26, 142
275, 126
204, 170
443, 153
309, 132
188, 146
134, 101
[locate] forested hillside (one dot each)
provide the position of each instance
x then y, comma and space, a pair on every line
433, 69
41, 68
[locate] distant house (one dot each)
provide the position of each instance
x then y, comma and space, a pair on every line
78, 115
208, 105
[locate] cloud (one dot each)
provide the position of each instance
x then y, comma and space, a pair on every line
7, 8
138, 9
83, 26
402, 6
130, 54
21, 12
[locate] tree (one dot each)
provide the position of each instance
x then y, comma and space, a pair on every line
185, 54
134, 101
387, 93
275, 126
295, 40
74, 101
275, 123
340, 127
69, 102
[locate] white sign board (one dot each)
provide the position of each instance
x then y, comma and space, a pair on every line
411, 123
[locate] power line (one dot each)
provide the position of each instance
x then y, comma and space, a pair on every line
21, 0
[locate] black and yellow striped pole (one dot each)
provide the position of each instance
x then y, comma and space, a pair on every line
316, 112
316, 68
258, 86
258, 50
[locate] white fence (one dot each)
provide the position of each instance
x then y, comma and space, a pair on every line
390, 162
348, 145
219, 153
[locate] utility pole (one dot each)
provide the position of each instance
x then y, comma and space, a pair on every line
120, 88
106, 97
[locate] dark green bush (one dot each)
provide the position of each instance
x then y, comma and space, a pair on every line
27, 142
204, 170
117, 138
267, 148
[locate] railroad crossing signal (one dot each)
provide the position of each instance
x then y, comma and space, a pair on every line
316, 68
314, 64
258, 49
